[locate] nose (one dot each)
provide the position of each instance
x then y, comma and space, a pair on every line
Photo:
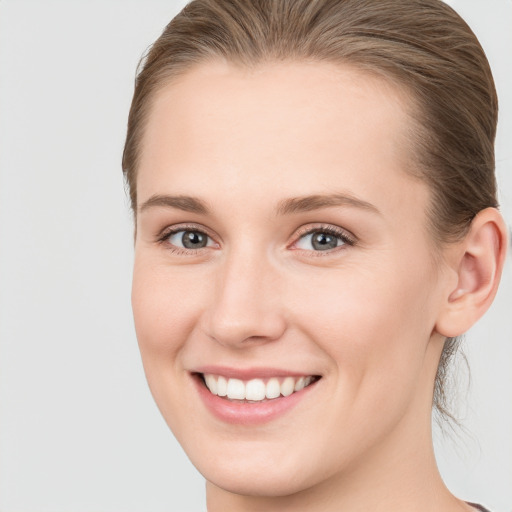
246, 306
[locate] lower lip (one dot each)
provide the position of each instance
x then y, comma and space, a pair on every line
245, 413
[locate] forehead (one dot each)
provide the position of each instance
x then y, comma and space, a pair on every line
299, 127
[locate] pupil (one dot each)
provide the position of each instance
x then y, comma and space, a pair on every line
324, 241
193, 240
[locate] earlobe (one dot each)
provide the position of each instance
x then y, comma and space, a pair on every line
479, 264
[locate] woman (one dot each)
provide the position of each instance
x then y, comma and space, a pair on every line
316, 224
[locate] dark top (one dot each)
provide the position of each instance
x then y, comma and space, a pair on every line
478, 507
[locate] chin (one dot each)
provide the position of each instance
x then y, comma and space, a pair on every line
274, 484
261, 473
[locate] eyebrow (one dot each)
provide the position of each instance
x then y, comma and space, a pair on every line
316, 202
185, 203
285, 207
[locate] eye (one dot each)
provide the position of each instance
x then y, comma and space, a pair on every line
323, 239
188, 239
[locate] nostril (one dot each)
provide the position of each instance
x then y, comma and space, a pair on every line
245, 328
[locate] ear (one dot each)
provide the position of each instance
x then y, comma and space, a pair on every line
478, 262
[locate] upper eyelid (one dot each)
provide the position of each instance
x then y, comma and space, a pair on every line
331, 228
176, 228
162, 239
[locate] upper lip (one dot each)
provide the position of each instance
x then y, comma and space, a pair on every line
250, 373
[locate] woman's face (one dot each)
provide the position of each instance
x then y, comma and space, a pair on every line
281, 241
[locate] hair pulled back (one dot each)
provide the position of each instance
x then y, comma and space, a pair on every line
422, 46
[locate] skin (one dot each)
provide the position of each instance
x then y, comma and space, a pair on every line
364, 316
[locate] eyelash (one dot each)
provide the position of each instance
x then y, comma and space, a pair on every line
163, 238
341, 234
346, 238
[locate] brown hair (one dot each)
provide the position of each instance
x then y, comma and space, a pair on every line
423, 46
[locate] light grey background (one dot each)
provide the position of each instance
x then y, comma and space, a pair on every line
78, 429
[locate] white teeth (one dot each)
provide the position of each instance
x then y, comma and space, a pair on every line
273, 389
287, 386
255, 390
222, 386
299, 384
211, 383
236, 389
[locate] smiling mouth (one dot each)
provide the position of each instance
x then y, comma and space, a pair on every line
255, 390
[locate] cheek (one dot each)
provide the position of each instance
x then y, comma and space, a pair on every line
166, 304
374, 324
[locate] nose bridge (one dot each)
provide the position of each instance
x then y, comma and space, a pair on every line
244, 305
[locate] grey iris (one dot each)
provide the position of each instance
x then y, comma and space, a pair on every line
194, 240
323, 241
